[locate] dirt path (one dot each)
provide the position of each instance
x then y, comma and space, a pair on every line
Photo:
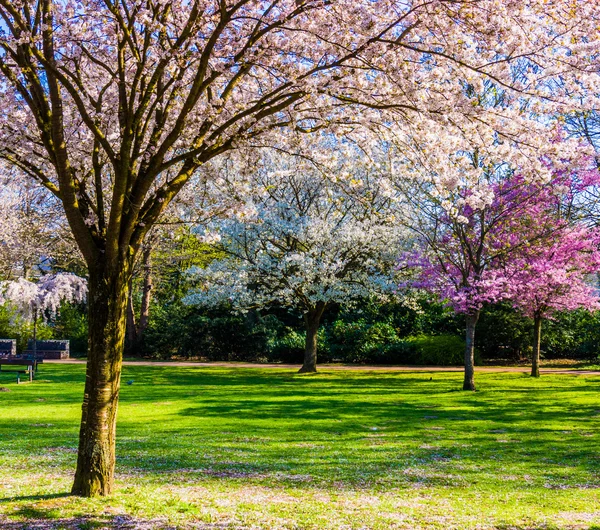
326, 367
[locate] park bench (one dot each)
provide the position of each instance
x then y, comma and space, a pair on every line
48, 349
27, 366
8, 347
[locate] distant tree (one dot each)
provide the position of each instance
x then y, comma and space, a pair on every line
554, 274
42, 299
34, 236
468, 241
303, 242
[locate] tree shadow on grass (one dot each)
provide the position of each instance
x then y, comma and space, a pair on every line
120, 522
275, 427
46, 497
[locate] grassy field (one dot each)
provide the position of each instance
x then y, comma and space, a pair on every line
258, 448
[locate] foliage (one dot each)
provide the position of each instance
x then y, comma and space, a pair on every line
15, 326
71, 324
439, 350
504, 333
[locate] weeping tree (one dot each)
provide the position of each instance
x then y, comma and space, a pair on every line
42, 299
114, 105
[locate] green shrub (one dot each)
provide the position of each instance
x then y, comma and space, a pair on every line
12, 326
439, 350
71, 324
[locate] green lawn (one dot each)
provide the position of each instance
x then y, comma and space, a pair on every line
260, 448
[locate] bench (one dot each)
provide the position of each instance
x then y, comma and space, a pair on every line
29, 366
8, 347
48, 349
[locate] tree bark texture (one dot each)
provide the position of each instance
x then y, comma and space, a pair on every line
537, 338
312, 321
469, 383
107, 310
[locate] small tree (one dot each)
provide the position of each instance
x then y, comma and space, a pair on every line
469, 239
43, 298
305, 243
554, 275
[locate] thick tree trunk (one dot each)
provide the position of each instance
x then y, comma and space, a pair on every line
312, 321
537, 338
107, 310
469, 383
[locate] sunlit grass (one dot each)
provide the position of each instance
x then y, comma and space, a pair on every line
264, 448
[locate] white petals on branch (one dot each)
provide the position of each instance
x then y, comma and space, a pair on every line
44, 297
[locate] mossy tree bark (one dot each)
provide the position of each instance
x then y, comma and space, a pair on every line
107, 313
537, 338
469, 382
312, 322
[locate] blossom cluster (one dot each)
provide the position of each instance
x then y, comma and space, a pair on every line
44, 297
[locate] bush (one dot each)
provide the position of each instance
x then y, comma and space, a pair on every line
502, 333
71, 325
12, 326
439, 350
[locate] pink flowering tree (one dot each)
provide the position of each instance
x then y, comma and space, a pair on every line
555, 274
474, 241
115, 105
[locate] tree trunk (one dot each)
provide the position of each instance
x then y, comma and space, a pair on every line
146, 294
537, 337
135, 330
469, 383
312, 320
107, 308
131, 324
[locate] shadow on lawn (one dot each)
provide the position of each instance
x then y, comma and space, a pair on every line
361, 428
47, 497
120, 522
354, 429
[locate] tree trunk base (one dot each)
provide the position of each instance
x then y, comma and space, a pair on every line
468, 385
308, 370
90, 487
535, 372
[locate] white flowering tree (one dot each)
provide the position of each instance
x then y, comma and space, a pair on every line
42, 299
304, 242
33, 231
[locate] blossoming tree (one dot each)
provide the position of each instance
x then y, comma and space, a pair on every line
33, 231
113, 106
303, 242
43, 298
483, 245
557, 273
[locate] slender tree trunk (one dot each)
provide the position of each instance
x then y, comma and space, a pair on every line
469, 383
107, 310
537, 337
135, 330
312, 320
146, 294
131, 324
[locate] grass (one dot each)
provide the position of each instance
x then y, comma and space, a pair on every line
267, 448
